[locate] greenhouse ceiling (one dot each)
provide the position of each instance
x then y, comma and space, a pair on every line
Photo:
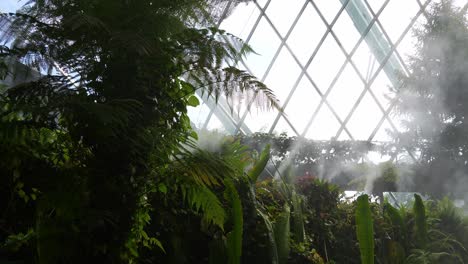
331, 63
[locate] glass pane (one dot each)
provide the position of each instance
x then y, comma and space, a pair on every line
381, 87
365, 61
328, 8
324, 126
394, 9
265, 42
302, 104
384, 132
260, 121
344, 136
346, 32
216, 124
376, 5
407, 46
345, 92
283, 13
362, 129
242, 19
306, 35
326, 63
283, 75
198, 114
283, 127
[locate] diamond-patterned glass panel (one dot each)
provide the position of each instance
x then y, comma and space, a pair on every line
281, 79
346, 32
381, 88
265, 42
302, 104
248, 14
384, 132
407, 46
376, 5
283, 13
326, 63
215, 124
324, 125
328, 8
397, 15
261, 121
199, 114
282, 63
361, 128
283, 127
345, 92
307, 34
365, 60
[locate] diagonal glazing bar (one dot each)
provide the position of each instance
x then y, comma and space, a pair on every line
374, 38
278, 50
348, 56
393, 49
367, 30
304, 72
220, 108
386, 65
366, 82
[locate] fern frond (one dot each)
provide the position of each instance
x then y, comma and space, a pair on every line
234, 84
203, 200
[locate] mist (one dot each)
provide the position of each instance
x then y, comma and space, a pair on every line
432, 106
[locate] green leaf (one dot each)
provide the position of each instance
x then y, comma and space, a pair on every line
193, 101
365, 230
203, 199
234, 238
156, 242
282, 234
420, 225
162, 188
259, 166
298, 229
271, 236
194, 135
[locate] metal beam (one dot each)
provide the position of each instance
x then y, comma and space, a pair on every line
375, 39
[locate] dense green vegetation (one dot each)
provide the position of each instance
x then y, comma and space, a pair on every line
99, 163
82, 158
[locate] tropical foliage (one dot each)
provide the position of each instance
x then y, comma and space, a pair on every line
99, 163
87, 146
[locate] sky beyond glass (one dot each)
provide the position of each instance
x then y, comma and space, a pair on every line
286, 72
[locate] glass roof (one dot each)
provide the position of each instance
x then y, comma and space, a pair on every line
331, 63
